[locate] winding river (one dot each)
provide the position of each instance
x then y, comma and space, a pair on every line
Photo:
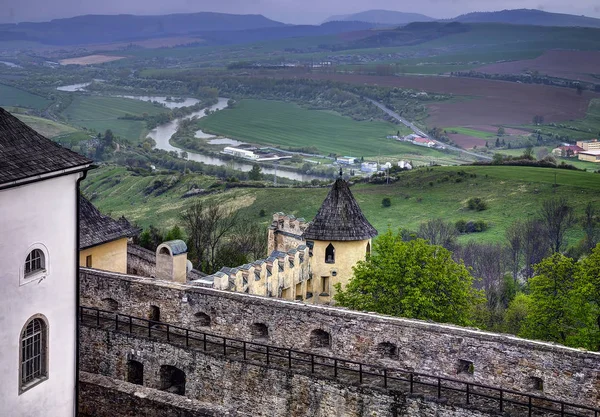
163, 133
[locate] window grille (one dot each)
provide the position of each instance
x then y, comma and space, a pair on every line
33, 353
35, 262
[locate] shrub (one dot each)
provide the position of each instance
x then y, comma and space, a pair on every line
386, 202
461, 226
262, 213
477, 204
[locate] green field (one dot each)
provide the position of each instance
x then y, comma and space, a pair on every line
289, 125
48, 128
512, 193
471, 132
10, 96
101, 113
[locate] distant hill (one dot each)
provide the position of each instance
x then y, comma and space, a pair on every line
383, 17
528, 17
117, 28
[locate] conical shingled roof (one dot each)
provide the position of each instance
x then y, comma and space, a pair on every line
339, 217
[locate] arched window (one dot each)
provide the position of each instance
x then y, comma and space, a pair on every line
330, 254
165, 251
259, 331
110, 304
35, 262
368, 248
320, 339
34, 358
387, 350
154, 314
135, 372
202, 319
172, 380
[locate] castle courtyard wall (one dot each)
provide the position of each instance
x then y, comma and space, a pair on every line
498, 360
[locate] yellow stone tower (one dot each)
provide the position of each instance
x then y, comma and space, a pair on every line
338, 237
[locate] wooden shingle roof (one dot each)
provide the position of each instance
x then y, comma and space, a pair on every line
339, 217
96, 228
25, 153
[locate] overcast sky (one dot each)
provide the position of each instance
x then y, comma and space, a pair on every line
289, 11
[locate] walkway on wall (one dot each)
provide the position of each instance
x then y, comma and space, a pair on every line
448, 390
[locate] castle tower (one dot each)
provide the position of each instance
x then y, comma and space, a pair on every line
339, 237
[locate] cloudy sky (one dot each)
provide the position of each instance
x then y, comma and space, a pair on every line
289, 11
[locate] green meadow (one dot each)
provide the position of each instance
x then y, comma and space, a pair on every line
11, 96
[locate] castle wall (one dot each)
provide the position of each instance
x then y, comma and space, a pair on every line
497, 360
285, 233
230, 386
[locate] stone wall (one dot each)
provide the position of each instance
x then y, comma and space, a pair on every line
231, 387
142, 262
285, 232
492, 359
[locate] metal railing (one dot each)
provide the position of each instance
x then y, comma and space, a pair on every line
454, 391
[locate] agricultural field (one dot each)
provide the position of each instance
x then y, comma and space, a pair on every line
512, 193
48, 128
289, 125
10, 96
488, 103
90, 60
98, 114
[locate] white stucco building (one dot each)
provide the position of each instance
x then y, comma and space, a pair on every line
38, 272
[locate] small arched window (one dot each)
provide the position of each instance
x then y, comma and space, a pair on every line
34, 348
35, 262
368, 248
330, 254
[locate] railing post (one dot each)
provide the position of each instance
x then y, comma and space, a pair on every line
385, 378
290, 358
244, 350
204, 341
467, 393
225, 346
117, 322
439, 387
267, 355
360, 373
562, 409
97, 318
168, 335
411, 382
130, 325
187, 337
501, 400
149, 328
312, 363
529, 406
335, 368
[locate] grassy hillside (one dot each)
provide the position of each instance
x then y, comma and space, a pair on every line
48, 128
512, 193
102, 113
289, 125
10, 96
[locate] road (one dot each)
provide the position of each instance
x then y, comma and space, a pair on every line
419, 132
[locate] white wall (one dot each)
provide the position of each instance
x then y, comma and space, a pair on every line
43, 212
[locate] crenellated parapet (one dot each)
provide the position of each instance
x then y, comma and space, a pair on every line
281, 275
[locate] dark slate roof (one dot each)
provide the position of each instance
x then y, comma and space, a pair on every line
177, 246
339, 217
96, 228
25, 153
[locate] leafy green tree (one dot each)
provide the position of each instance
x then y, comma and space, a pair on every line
255, 173
411, 279
586, 302
501, 131
386, 202
174, 234
516, 314
549, 313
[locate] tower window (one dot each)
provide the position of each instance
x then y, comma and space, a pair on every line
135, 372
172, 380
320, 339
368, 248
35, 262
330, 254
34, 347
88, 261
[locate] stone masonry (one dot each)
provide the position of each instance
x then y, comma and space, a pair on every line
449, 351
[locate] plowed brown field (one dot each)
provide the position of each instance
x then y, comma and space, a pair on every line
487, 103
572, 65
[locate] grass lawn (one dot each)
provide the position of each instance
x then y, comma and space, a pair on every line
48, 128
289, 125
512, 193
471, 132
10, 96
102, 113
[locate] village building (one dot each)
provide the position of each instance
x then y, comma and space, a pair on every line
39, 194
368, 167
102, 240
345, 160
592, 155
589, 145
567, 151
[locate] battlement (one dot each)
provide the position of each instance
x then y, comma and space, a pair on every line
286, 232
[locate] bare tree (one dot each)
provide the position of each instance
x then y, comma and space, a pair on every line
250, 239
438, 232
591, 227
207, 225
535, 244
557, 217
514, 235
